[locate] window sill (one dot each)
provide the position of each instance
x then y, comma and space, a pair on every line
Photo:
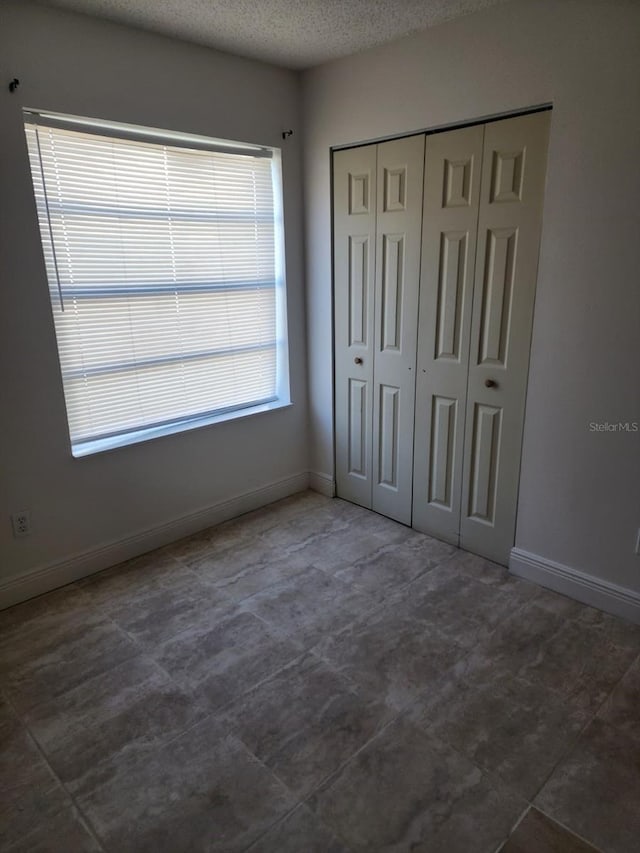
88, 448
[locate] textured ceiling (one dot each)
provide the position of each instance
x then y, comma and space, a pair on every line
293, 33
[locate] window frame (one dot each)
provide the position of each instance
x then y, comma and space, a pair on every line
142, 433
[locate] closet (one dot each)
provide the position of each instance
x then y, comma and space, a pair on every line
436, 242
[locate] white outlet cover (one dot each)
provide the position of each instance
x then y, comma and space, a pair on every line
21, 522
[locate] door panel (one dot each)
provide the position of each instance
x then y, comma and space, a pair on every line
359, 250
451, 285
399, 213
484, 452
358, 443
497, 287
514, 165
388, 430
354, 176
392, 283
451, 197
444, 413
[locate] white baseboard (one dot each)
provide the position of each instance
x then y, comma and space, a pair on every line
46, 578
322, 483
585, 588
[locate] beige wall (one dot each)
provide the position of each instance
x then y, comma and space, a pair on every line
580, 491
77, 65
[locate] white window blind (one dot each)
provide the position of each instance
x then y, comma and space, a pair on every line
165, 275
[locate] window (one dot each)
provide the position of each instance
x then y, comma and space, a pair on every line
164, 257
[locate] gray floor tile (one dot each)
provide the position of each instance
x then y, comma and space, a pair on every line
239, 575
619, 632
536, 833
202, 792
230, 568
64, 832
45, 614
300, 832
133, 707
461, 608
32, 807
132, 580
394, 566
222, 661
280, 512
46, 657
518, 637
310, 605
479, 569
365, 521
30, 795
504, 724
622, 708
595, 791
581, 662
298, 531
305, 722
557, 604
166, 610
406, 791
190, 548
242, 531
392, 655
21, 763
366, 535
236, 533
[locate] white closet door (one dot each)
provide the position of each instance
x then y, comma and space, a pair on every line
354, 194
513, 173
453, 162
399, 219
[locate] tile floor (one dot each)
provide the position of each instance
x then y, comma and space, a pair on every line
314, 677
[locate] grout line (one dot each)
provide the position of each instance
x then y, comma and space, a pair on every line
192, 725
83, 819
596, 713
505, 841
566, 753
395, 712
56, 696
569, 830
610, 693
281, 818
338, 770
562, 757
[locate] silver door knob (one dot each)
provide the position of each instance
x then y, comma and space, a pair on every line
357, 360
490, 383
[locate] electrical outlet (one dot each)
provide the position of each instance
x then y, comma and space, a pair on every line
21, 522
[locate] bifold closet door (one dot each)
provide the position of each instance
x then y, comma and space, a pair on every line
436, 442
377, 231
510, 215
483, 199
354, 240
453, 162
398, 238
